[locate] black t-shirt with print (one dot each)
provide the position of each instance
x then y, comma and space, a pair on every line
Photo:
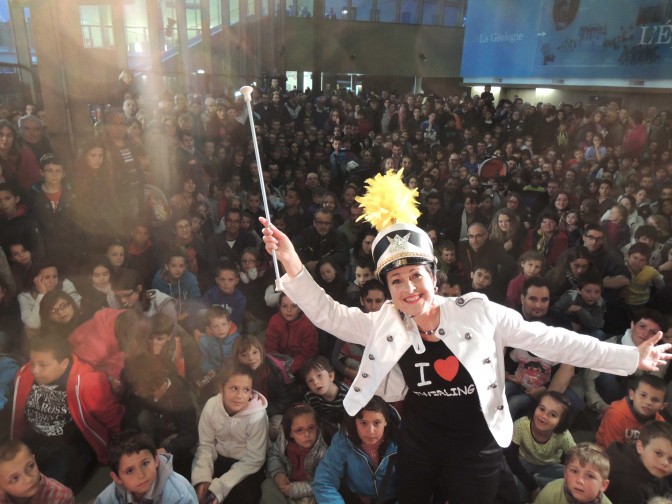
442, 395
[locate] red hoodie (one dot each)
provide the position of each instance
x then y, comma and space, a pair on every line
93, 407
297, 338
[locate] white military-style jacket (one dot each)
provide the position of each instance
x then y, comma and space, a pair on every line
474, 329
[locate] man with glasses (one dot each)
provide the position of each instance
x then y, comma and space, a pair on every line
229, 244
615, 275
321, 241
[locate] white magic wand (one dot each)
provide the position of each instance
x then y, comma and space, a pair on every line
246, 91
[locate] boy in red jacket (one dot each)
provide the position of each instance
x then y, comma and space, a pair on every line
289, 332
63, 410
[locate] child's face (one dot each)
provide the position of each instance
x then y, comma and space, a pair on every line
637, 261
288, 309
371, 427
140, 236
373, 301
362, 275
531, 268
100, 278
448, 290
53, 174
481, 279
245, 223
20, 255
219, 327
590, 293
176, 268
20, 477
250, 357
137, 472
319, 381
304, 430
646, 400
115, 254
62, 312
157, 342
584, 482
227, 281
8, 203
253, 203
572, 219
236, 393
248, 261
448, 256
548, 414
656, 456
46, 368
94, 158
327, 272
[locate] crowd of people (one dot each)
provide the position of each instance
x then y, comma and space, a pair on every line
140, 327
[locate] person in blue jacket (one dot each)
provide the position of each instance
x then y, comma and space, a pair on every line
175, 280
360, 464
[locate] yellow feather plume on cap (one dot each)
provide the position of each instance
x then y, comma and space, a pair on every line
388, 201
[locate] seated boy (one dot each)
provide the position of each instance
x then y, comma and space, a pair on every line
643, 277
640, 471
601, 389
447, 257
22, 481
141, 475
585, 480
180, 284
64, 410
363, 272
531, 264
482, 280
582, 310
225, 293
217, 342
623, 421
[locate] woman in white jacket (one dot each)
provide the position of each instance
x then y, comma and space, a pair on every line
446, 351
232, 441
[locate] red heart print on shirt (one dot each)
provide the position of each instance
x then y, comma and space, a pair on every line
447, 368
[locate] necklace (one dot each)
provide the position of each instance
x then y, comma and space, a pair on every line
428, 333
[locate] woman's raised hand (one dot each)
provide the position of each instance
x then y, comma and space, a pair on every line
276, 240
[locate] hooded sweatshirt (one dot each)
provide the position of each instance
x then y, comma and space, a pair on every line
242, 437
169, 488
630, 481
296, 338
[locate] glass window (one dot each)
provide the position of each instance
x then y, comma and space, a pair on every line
234, 12
215, 13
336, 9
304, 8
6, 38
362, 10
430, 12
169, 25
250, 7
96, 23
135, 24
386, 12
264, 8
29, 30
193, 12
409, 12
451, 15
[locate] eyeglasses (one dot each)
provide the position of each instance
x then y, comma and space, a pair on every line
61, 308
593, 237
300, 431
